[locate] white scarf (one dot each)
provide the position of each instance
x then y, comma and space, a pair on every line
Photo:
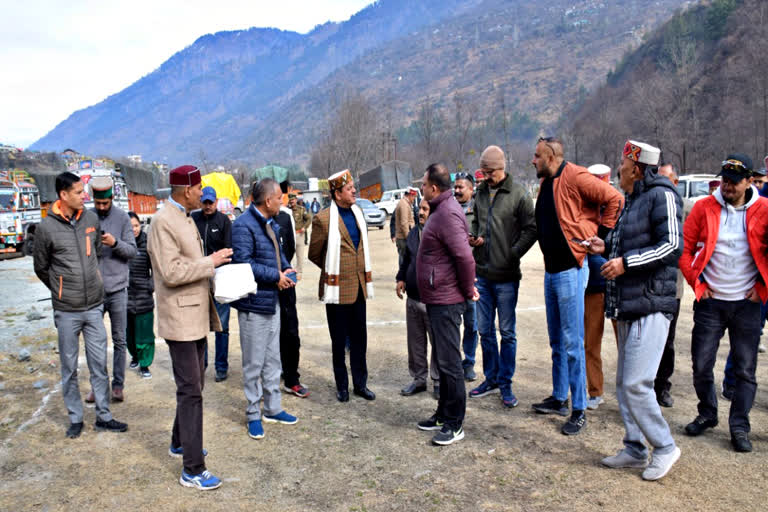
333, 254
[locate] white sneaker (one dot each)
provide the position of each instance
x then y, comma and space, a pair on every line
622, 459
594, 402
761, 348
661, 464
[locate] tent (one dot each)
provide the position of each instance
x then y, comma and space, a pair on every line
279, 174
227, 190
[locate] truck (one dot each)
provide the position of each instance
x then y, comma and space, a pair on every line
391, 176
19, 211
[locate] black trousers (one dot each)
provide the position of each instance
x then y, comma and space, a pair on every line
711, 317
667, 364
189, 373
347, 321
445, 323
289, 337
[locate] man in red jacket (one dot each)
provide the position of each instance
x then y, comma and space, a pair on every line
445, 273
724, 260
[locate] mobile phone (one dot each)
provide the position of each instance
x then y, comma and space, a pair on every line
580, 241
291, 276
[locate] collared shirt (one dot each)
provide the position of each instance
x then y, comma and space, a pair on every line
177, 205
269, 220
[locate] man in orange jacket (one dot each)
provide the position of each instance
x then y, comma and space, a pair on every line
724, 260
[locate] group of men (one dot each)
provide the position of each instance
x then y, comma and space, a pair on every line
459, 264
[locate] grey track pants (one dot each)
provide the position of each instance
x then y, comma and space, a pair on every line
260, 345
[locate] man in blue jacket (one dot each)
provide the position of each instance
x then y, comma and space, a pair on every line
255, 241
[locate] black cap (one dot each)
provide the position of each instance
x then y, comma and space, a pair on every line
736, 167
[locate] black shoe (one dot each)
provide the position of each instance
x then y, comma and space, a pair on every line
552, 405
413, 388
575, 424
431, 424
665, 399
134, 364
74, 430
112, 425
469, 373
448, 436
365, 393
699, 425
220, 376
740, 442
342, 395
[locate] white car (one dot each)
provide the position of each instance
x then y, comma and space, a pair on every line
389, 200
693, 187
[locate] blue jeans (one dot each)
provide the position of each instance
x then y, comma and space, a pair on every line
469, 342
564, 299
222, 340
498, 361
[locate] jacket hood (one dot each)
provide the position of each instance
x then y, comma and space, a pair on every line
650, 180
751, 193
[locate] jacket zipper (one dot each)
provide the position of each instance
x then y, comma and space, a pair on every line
82, 264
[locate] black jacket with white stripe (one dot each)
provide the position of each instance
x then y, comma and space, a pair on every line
649, 239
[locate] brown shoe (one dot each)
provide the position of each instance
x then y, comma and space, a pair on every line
117, 395
90, 398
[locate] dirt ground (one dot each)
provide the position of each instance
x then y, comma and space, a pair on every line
366, 456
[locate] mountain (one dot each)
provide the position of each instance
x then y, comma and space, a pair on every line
263, 94
697, 88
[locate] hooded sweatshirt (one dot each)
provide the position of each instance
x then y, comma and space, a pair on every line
731, 271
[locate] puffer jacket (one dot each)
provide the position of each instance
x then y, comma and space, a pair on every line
66, 259
445, 268
252, 245
508, 227
649, 239
140, 282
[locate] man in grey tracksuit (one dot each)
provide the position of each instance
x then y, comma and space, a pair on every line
118, 247
67, 245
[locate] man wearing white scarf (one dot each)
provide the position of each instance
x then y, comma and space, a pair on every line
339, 246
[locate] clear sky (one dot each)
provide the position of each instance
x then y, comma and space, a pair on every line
60, 56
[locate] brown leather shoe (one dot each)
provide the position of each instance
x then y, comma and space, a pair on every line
117, 395
90, 398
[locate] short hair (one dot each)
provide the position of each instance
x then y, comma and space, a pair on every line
670, 164
262, 189
177, 189
65, 181
438, 175
555, 145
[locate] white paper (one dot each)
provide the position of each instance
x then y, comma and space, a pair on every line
232, 282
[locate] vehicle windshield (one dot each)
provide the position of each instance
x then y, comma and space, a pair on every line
386, 196
681, 188
699, 188
364, 203
6, 199
29, 200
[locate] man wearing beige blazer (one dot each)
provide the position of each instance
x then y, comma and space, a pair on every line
185, 313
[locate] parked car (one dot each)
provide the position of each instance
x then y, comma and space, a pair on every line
695, 186
389, 200
373, 216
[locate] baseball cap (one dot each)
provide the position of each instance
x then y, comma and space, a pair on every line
736, 167
209, 194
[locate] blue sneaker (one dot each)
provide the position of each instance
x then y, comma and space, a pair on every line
179, 452
205, 481
508, 398
486, 388
281, 417
255, 430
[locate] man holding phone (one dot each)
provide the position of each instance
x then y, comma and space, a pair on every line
255, 237
118, 247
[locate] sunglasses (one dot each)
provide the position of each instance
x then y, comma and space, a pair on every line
464, 176
734, 165
549, 141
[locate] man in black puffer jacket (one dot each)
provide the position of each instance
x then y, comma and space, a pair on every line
641, 274
67, 248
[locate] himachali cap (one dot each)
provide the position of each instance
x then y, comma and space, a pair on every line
736, 167
185, 176
413, 191
339, 179
101, 187
641, 152
599, 169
